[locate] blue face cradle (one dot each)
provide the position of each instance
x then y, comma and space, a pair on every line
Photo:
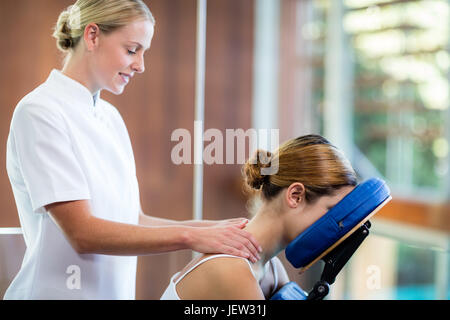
337, 222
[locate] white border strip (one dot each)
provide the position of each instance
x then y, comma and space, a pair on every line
199, 110
266, 67
10, 231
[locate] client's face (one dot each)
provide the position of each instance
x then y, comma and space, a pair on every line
325, 203
311, 212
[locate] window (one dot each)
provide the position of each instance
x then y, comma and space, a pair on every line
378, 76
394, 114
397, 262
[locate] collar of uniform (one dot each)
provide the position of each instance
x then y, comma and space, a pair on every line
73, 88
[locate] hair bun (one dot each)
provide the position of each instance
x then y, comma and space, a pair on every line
62, 32
252, 169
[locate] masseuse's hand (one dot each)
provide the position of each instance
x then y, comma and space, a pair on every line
226, 237
238, 222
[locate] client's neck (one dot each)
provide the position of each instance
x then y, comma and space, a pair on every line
268, 230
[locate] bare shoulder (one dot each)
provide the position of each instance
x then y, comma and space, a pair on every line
221, 278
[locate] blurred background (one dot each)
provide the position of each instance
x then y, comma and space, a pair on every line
370, 75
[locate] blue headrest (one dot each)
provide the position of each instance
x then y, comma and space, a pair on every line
337, 222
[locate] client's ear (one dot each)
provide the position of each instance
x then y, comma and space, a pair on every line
295, 194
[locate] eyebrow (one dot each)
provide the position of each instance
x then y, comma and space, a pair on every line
139, 45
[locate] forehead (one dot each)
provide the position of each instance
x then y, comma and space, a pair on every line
338, 195
342, 192
137, 31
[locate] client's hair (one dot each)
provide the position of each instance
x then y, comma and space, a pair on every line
311, 160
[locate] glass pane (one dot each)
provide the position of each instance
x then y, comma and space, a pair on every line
398, 62
384, 268
401, 88
415, 273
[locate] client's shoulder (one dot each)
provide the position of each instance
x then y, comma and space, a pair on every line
220, 277
231, 267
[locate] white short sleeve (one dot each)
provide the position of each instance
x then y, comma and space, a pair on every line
45, 157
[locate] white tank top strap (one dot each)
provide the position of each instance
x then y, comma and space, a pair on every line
275, 275
207, 259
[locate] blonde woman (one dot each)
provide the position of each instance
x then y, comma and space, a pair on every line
312, 177
72, 169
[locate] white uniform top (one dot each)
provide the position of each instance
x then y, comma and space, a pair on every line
64, 144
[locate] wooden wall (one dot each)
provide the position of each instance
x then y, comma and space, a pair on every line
27, 55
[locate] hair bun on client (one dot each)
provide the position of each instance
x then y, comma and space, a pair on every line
252, 169
310, 160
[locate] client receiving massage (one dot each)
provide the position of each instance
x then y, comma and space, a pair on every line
312, 177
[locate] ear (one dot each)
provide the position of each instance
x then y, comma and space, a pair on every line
91, 36
295, 194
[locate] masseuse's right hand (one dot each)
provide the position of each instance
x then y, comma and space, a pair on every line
227, 239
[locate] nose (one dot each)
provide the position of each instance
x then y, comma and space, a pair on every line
139, 65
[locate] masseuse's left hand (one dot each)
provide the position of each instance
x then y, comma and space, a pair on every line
223, 237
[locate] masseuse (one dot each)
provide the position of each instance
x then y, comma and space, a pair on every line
72, 169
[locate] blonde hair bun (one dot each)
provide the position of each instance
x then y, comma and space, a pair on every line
62, 32
109, 15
